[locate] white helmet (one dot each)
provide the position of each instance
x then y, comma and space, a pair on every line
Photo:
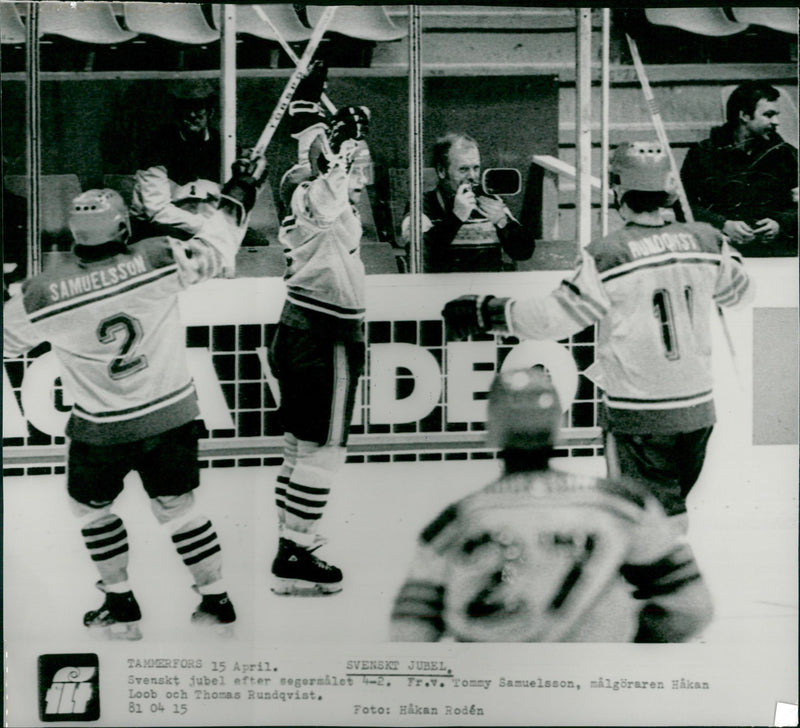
99, 216
199, 190
642, 167
524, 410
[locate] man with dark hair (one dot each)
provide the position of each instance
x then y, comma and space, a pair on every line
651, 288
464, 228
743, 178
543, 555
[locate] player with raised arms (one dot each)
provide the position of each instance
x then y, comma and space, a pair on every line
318, 351
110, 314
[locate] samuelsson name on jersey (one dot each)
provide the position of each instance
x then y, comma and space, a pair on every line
97, 280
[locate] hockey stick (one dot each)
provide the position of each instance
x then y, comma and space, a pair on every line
289, 51
661, 133
297, 75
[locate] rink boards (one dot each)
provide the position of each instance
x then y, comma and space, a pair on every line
422, 397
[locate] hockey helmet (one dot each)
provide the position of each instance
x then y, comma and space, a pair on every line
641, 167
99, 216
524, 410
199, 190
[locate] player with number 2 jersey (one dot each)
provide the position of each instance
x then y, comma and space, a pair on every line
110, 314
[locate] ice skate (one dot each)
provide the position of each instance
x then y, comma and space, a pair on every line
117, 618
296, 571
216, 613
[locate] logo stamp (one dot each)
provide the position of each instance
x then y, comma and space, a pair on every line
69, 687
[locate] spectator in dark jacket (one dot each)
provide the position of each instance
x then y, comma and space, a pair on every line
465, 229
743, 178
188, 147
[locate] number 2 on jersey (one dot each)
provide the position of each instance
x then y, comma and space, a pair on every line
126, 328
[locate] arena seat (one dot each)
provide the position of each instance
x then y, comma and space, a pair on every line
365, 22
783, 19
703, 21
282, 16
12, 30
89, 22
179, 22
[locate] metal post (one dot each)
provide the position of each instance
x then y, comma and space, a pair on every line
415, 138
227, 101
33, 151
583, 120
604, 123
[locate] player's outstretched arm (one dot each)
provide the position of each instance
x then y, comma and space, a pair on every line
152, 201
577, 303
677, 603
211, 253
419, 605
734, 287
19, 334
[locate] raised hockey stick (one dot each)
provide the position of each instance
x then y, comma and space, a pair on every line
289, 50
297, 75
661, 133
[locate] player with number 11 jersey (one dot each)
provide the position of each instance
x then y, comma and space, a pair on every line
651, 288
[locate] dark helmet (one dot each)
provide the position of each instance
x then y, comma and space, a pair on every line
524, 410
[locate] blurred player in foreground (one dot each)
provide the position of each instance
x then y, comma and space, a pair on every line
110, 313
542, 555
652, 288
317, 353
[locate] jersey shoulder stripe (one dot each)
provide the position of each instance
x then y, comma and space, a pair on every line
639, 242
442, 521
74, 280
668, 259
103, 293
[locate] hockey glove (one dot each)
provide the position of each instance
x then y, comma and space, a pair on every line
350, 122
305, 110
312, 85
470, 315
248, 176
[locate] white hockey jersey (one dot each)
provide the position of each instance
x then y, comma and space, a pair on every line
115, 328
652, 292
548, 556
321, 240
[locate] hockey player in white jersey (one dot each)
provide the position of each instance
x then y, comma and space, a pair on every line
110, 314
544, 555
652, 288
318, 350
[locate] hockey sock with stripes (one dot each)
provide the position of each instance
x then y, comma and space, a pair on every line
198, 546
285, 474
309, 487
107, 541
